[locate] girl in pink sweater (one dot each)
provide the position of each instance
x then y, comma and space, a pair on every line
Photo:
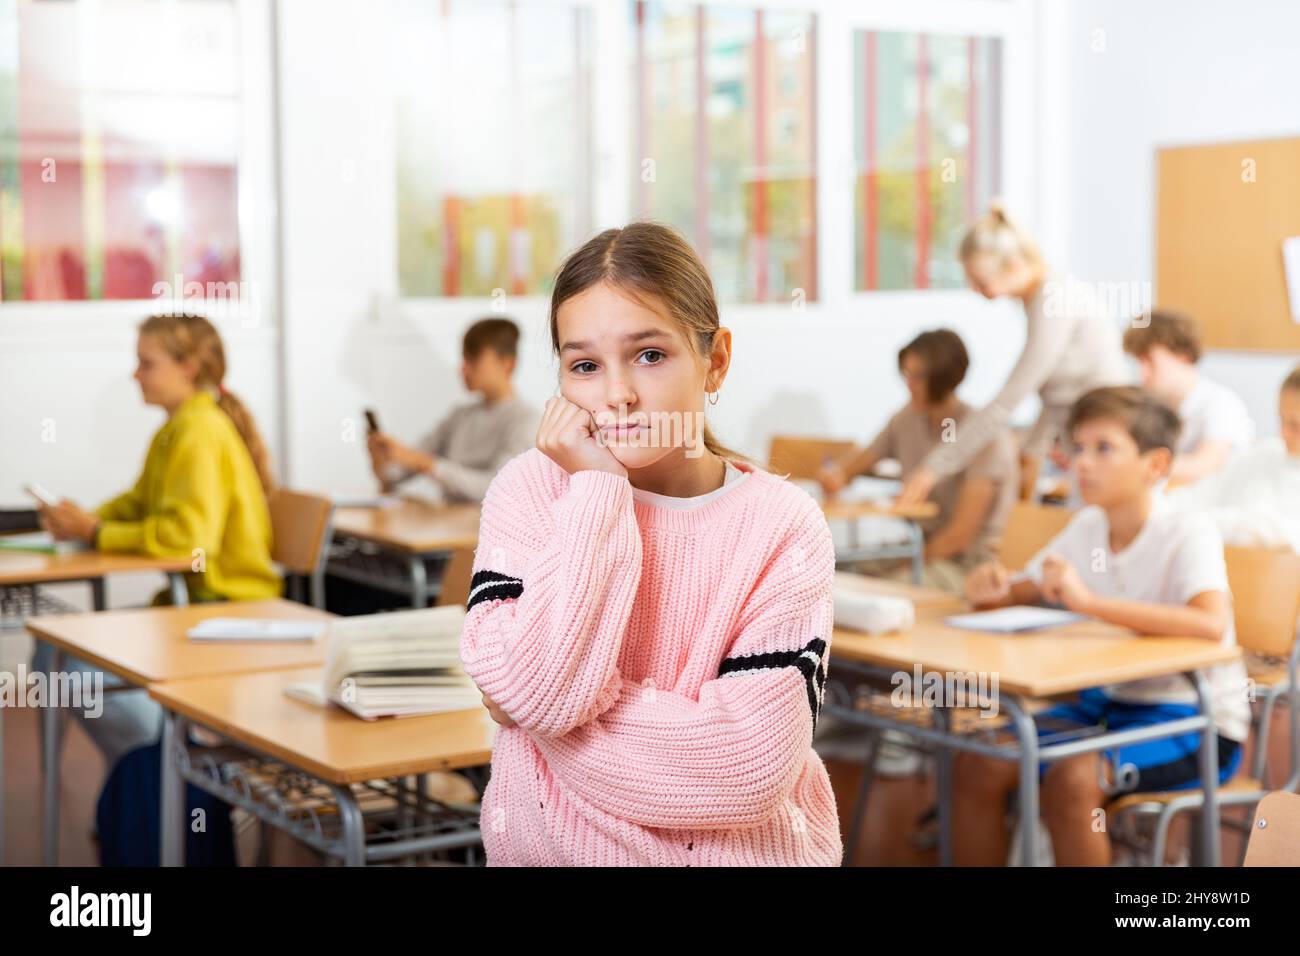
649, 619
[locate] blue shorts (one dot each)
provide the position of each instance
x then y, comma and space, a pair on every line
1167, 763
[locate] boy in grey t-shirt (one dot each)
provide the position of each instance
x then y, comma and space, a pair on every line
471, 444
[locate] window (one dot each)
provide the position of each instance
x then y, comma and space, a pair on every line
724, 141
927, 134
119, 134
493, 143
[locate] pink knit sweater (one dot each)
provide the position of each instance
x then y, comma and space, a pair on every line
664, 669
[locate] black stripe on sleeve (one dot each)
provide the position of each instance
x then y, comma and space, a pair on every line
492, 586
809, 660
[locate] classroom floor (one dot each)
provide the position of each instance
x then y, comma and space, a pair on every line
82, 776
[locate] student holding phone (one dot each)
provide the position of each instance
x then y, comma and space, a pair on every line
201, 495
469, 446
202, 492
650, 614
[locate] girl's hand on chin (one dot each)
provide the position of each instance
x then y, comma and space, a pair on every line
567, 436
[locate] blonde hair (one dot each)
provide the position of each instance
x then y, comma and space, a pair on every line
997, 235
648, 259
193, 338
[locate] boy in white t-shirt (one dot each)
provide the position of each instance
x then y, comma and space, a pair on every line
1255, 501
1131, 559
1215, 422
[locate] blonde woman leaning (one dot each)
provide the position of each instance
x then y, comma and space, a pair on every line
1067, 352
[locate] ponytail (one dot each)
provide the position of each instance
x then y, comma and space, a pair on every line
194, 339
996, 235
247, 428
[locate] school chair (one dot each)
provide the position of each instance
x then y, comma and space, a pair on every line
300, 533
1265, 587
1275, 833
456, 578
802, 458
1028, 528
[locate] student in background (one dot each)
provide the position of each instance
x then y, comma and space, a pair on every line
471, 444
1216, 424
650, 614
1255, 500
1132, 559
202, 493
201, 496
975, 502
1066, 353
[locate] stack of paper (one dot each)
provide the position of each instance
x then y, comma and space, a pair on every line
258, 630
873, 613
396, 664
1012, 620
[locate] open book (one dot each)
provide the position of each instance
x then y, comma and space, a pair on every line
395, 664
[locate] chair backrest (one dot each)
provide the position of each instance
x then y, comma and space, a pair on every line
1028, 528
1275, 831
802, 458
456, 578
299, 526
1265, 587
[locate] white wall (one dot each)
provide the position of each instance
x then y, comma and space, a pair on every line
350, 343
1172, 72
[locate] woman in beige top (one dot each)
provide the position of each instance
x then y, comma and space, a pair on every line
1067, 352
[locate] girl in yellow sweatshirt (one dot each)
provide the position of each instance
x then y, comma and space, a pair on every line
202, 494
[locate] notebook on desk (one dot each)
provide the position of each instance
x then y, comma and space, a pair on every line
239, 630
1014, 620
41, 542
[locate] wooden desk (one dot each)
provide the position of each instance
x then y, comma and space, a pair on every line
145, 645
1072, 658
253, 711
36, 568
412, 527
839, 509
150, 644
1039, 664
946, 601
410, 531
852, 510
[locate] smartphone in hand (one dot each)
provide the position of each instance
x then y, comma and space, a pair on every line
41, 494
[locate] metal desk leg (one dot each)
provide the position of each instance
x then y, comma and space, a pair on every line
864, 790
180, 594
171, 851
1209, 761
1027, 735
918, 553
51, 725
419, 582
354, 827
943, 784
98, 600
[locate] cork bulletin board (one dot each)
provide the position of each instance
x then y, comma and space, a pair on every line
1222, 212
